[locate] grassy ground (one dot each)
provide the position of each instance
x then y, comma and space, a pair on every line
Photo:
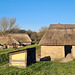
41, 68
3, 51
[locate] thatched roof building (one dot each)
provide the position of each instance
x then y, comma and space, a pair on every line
59, 34
7, 40
20, 37
58, 41
15, 40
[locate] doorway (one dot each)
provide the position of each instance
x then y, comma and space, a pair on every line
67, 49
31, 56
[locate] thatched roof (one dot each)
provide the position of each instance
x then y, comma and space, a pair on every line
7, 40
59, 34
20, 37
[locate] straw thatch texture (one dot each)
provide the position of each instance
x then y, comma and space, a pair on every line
23, 38
7, 40
59, 34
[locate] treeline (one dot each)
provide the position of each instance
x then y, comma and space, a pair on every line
35, 36
7, 25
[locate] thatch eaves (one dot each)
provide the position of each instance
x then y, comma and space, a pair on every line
7, 40
24, 38
59, 34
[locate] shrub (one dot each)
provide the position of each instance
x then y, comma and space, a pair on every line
4, 58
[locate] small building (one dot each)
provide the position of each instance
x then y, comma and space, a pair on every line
22, 58
7, 42
22, 38
58, 41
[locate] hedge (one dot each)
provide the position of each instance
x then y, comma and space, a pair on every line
4, 58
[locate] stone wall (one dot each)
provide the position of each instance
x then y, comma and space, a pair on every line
55, 52
73, 51
29, 43
9, 46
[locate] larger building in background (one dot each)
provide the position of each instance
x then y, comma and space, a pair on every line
23, 39
7, 42
58, 41
14, 40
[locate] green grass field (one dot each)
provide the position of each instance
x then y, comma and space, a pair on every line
41, 68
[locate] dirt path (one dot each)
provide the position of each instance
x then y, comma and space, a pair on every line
67, 58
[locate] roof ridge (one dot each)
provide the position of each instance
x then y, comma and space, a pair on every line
62, 26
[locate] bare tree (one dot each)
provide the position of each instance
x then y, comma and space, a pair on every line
41, 32
43, 28
7, 24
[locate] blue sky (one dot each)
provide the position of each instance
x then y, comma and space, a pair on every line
32, 14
